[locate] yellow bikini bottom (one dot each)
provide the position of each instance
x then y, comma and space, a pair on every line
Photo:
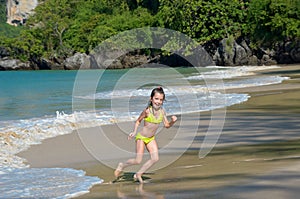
146, 140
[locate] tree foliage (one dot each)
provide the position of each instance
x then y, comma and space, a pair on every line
274, 20
204, 20
2, 11
60, 28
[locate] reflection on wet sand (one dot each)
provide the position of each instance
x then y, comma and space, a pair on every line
139, 189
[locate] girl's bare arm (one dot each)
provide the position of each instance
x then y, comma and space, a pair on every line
137, 123
168, 123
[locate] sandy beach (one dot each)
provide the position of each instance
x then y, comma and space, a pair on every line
257, 154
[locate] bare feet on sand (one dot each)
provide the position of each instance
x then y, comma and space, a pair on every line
119, 169
138, 176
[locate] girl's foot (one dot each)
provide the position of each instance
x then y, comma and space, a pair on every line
119, 169
138, 176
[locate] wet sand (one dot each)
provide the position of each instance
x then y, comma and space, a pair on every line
257, 154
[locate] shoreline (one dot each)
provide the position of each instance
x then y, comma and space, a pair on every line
265, 114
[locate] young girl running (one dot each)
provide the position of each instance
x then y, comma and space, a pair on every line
153, 115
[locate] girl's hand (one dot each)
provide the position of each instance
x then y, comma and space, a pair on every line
174, 118
131, 135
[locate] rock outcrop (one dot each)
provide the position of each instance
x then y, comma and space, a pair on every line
14, 64
227, 52
231, 52
77, 61
19, 10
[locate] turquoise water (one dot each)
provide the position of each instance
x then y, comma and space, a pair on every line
35, 93
29, 94
36, 105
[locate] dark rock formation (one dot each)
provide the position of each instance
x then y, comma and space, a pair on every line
234, 53
227, 52
4, 52
45, 64
288, 53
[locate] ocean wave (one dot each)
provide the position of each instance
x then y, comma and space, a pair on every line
45, 183
21, 134
229, 72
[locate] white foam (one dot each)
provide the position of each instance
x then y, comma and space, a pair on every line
45, 183
230, 72
117, 94
19, 135
246, 83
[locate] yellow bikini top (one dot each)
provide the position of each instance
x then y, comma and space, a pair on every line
152, 119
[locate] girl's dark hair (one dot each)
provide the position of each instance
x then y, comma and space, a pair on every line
154, 91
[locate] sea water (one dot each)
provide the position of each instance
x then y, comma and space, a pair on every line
36, 105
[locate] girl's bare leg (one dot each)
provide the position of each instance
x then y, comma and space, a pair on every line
153, 150
137, 160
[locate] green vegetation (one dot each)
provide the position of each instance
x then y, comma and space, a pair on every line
274, 20
5, 29
61, 27
204, 20
2, 11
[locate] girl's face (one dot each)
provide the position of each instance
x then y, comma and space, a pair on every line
157, 100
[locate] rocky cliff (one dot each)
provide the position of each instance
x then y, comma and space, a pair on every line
223, 53
18, 10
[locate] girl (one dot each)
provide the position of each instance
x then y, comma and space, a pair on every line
153, 115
